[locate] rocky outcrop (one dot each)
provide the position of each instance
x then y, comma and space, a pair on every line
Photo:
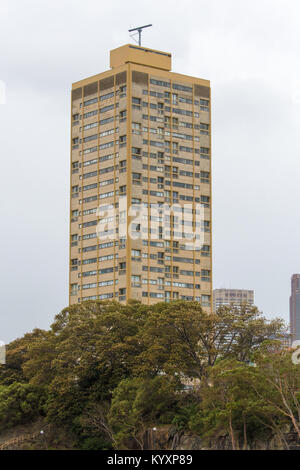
168, 438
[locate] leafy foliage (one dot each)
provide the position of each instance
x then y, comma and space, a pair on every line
20, 403
107, 372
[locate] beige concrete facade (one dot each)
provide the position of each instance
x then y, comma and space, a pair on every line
140, 131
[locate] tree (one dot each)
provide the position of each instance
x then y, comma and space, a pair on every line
244, 329
138, 404
90, 348
95, 420
228, 406
20, 403
108, 372
276, 383
16, 357
178, 338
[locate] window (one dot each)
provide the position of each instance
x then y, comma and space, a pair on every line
107, 182
204, 129
123, 91
136, 254
136, 103
135, 281
122, 268
205, 300
91, 113
107, 157
90, 150
108, 95
123, 115
176, 86
175, 147
90, 174
205, 201
205, 224
205, 250
105, 195
75, 166
106, 121
90, 126
90, 137
91, 223
136, 178
108, 132
136, 128
160, 132
136, 151
122, 166
204, 177
89, 248
174, 98
108, 169
89, 211
89, 187
185, 100
105, 146
74, 289
204, 102
88, 102
204, 150
159, 83
107, 108
205, 275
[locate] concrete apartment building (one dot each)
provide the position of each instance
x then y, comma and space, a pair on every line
295, 307
232, 297
140, 136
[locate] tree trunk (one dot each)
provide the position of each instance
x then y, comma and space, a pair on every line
245, 433
231, 433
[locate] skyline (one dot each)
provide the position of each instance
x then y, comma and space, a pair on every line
256, 100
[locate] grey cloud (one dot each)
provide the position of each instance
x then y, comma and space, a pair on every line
249, 50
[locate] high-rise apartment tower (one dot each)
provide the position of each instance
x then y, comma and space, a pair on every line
295, 307
140, 137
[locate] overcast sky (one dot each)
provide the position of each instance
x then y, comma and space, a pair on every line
251, 53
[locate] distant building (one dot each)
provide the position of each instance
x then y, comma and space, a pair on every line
232, 297
284, 338
295, 307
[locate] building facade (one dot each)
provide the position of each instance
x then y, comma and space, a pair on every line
140, 137
232, 297
295, 307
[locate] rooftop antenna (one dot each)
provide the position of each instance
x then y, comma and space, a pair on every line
139, 30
